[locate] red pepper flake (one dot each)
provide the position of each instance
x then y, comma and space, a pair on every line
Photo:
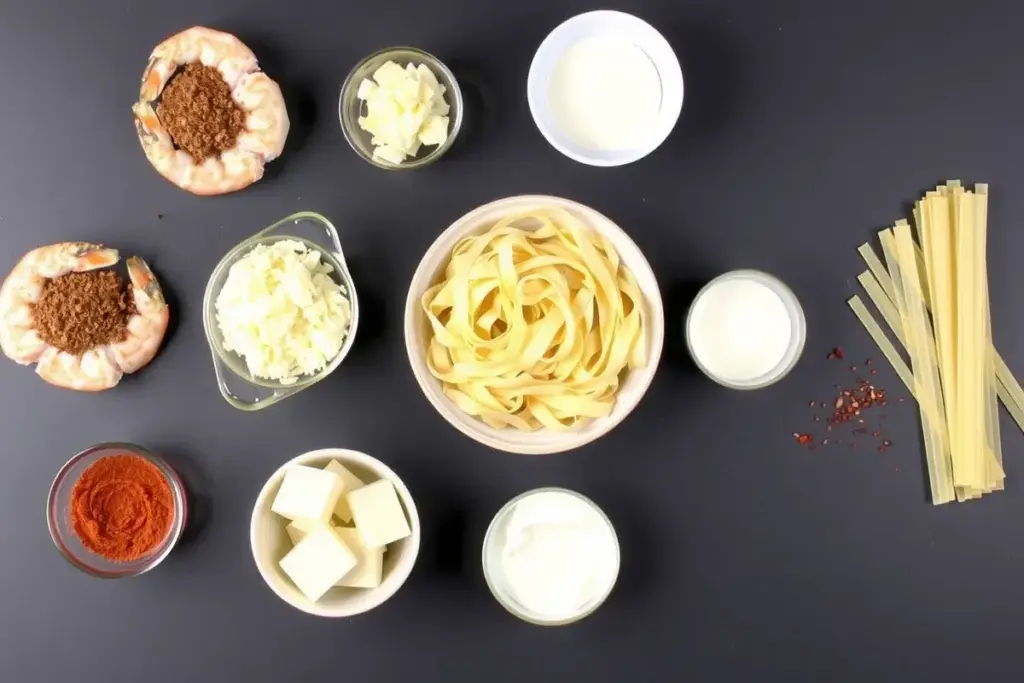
848, 406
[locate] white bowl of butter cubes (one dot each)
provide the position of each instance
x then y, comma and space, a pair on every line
334, 532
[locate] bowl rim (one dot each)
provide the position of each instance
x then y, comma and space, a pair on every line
450, 412
179, 494
456, 104
405, 564
514, 610
666, 123
798, 324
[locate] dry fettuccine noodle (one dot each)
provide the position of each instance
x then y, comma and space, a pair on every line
534, 323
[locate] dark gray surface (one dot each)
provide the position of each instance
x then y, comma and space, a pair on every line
745, 558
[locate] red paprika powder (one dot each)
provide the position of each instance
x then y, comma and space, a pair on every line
122, 507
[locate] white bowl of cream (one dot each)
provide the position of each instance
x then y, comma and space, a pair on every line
550, 556
605, 88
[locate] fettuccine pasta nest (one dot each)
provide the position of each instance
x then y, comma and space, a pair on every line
534, 323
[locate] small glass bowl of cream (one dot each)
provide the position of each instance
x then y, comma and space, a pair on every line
550, 556
745, 329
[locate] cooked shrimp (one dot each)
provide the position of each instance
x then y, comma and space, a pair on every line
260, 97
18, 338
98, 368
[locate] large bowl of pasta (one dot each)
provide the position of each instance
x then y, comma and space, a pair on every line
534, 325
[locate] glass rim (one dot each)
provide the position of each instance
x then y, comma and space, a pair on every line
798, 327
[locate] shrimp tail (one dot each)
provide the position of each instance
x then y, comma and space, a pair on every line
92, 256
143, 279
147, 327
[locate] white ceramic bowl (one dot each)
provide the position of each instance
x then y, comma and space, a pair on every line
418, 332
619, 25
270, 542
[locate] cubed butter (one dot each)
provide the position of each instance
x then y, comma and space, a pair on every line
318, 562
350, 483
370, 561
297, 529
378, 514
308, 493
404, 109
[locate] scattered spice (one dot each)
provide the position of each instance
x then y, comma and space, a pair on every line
198, 112
79, 311
122, 507
848, 407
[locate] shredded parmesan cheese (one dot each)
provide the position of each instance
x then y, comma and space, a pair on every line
281, 311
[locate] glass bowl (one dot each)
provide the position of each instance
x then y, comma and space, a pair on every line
797, 338
350, 107
238, 387
58, 516
494, 574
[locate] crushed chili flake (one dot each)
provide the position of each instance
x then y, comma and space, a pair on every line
848, 407
835, 354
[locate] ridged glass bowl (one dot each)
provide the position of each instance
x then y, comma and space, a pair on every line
237, 385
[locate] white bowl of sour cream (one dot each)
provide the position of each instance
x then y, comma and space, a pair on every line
605, 88
550, 556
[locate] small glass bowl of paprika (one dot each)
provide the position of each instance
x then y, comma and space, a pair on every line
116, 510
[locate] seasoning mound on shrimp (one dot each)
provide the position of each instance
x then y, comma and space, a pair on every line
92, 354
78, 311
187, 140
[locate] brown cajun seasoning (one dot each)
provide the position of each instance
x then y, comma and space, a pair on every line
79, 311
198, 112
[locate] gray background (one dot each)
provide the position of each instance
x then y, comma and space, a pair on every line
805, 127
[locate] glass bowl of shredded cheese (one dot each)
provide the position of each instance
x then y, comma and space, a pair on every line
280, 311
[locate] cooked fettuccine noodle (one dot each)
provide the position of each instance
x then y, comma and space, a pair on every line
534, 322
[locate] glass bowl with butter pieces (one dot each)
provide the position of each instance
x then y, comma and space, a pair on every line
351, 108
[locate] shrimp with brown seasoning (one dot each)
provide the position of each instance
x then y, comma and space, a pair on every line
98, 368
260, 97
